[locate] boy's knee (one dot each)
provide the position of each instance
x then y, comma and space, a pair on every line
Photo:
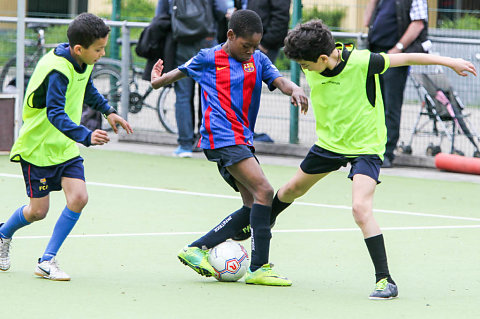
361, 213
34, 214
265, 194
269, 192
78, 201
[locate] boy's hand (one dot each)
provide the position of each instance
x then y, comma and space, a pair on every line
157, 70
99, 137
114, 119
461, 67
300, 99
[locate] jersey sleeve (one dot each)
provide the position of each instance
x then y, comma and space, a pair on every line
379, 63
55, 100
194, 67
269, 71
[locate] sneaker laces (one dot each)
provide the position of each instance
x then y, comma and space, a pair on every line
4, 247
381, 284
268, 266
53, 265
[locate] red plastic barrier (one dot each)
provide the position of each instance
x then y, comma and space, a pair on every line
457, 163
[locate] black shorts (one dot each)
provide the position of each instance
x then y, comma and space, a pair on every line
320, 160
41, 180
227, 156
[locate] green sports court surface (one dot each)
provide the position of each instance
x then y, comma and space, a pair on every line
143, 208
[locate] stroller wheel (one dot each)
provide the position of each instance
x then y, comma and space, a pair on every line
433, 150
405, 149
476, 154
458, 152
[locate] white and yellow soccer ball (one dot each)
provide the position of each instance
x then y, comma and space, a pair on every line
230, 261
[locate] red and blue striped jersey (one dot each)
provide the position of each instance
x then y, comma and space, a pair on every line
230, 94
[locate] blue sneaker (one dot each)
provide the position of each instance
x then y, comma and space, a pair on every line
183, 152
384, 290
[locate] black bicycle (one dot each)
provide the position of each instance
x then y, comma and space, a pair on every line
8, 76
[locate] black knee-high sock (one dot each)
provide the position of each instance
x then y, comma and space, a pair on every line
376, 248
261, 235
226, 229
277, 207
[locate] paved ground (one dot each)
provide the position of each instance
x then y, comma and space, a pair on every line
167, 150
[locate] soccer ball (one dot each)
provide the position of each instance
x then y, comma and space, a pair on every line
230, 261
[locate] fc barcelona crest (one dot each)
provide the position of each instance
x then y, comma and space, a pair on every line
249, 67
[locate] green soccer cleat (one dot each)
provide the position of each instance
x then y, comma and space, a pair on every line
384, 290
266, 276
197, 259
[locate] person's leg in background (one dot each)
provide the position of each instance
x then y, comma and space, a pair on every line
393, 80
184, 91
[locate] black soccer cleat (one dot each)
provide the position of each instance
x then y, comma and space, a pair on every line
245, 233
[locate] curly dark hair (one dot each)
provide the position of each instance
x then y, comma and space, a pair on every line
308, 41
244, 23
85, 29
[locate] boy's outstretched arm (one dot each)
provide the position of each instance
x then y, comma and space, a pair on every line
458, 65
158, 79
289, 88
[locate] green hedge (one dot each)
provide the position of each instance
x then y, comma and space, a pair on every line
331, 17
467, 22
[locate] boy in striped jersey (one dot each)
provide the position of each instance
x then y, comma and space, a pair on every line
231, 76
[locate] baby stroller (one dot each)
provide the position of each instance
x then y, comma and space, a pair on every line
442, 108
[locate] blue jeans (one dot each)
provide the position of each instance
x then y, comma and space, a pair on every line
184, 92
393, 84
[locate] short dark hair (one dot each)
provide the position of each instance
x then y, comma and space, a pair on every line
85, 29
244, 23
308, 41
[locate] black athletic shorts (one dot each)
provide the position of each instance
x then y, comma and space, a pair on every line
227, 156
41, 180
320, 160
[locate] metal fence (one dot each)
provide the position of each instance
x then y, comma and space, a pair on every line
274, 115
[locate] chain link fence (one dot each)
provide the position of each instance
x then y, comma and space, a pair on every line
274, 115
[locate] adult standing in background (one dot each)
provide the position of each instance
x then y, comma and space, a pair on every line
275, 15
396, 26
186, 48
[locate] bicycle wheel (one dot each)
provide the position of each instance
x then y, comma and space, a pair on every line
107, 80
8, 76
166, 109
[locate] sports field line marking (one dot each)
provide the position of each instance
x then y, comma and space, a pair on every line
320, 230
344, 207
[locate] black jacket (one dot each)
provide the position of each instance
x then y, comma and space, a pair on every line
402, 8
275, 15
155, 43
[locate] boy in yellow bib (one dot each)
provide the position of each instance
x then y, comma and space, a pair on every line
46, 147
350, 126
